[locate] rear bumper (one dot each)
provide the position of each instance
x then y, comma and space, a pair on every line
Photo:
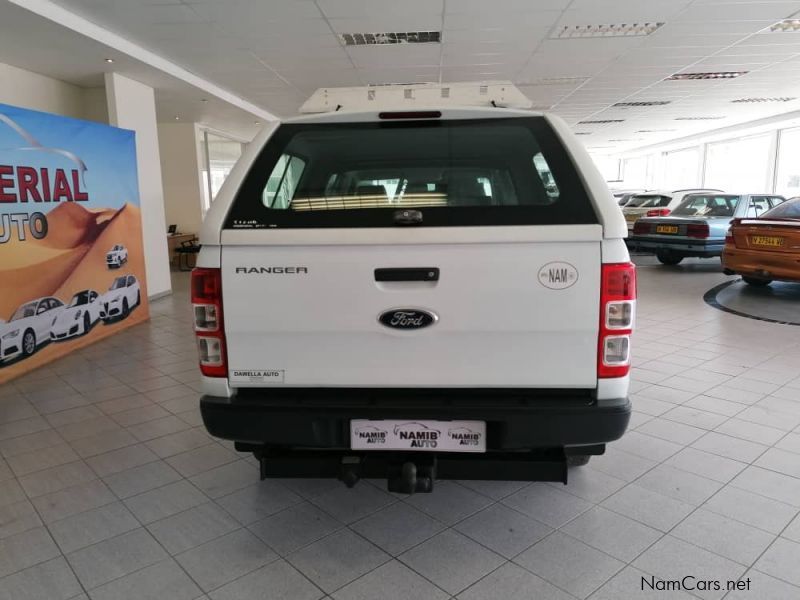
320, 418
679, 246
763, 265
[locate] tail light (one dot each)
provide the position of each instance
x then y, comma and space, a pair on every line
729, 236
639, 228
697, 230
208, 324
617, 312
658, 212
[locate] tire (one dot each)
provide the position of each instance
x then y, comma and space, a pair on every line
666, 257
578, 460
755, 281
125, 308
28, 343
87, 323
138, 298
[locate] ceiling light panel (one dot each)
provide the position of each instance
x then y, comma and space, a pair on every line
602, 122
606, 31
380, 39
642, 103
757, 100
698, 118
711, 75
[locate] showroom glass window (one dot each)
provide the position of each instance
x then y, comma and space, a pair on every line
218, 154
741, 165
787, 182
682, 169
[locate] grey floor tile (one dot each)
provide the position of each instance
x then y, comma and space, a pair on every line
503, 530
391, 581
74, 415
590, 484
647, 446
752, 432
23, 427
71, 501
141, 479
30, 462
723, 536
121, 459
165, 501
646, 506
192, 527
496, 490
397, 527
258, 501
11, 492
351, 504
92, 526
752, 509
452, 561
671, 558
17, 517
118, 405
629, 584
175, 443
26, 549
329, 567
450, 502
547, 504
730, 447
569, 564
276, 581
614, 534
51, 580
621, 464
295, 527
82, 429
511, 582
164, 580
108, 560
766, 587
681, 485
706, 465
781, 461
224, 559
29, 443
671, 431
201, 459
137, 416
770, 484
56, 478
782, 561
310, 488
226, 479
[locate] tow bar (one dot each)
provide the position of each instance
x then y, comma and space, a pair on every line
411, 472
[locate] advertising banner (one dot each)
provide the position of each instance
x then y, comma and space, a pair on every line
71, 254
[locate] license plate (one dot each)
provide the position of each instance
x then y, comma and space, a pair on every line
666, 229
767, 240
438, 436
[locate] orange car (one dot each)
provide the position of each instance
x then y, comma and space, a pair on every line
767, 248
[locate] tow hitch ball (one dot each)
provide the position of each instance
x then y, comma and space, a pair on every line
404, 477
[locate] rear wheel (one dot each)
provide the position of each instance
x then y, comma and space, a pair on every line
578, 460
125, 308
138, 298
755, 281
665, 257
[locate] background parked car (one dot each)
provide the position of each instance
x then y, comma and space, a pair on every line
663, 201
123, 295
117, 256
29, 327
624, 196
765, 249
78, 316
697, 226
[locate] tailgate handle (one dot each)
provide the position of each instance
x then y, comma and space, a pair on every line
408, 274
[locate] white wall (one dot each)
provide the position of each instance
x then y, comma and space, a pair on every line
37, 92
181, 173
95, 104
131, 105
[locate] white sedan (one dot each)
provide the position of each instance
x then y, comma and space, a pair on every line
82, 312
123, 295
29, 327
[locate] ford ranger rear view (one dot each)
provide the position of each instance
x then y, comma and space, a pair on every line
413, 291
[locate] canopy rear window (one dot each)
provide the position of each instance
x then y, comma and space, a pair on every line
506, 171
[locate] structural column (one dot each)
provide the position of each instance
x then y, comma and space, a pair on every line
131, 105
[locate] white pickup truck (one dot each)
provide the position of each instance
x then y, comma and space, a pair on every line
415, 283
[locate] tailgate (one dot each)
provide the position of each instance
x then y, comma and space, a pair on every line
521, 314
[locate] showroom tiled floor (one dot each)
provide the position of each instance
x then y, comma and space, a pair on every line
110, 487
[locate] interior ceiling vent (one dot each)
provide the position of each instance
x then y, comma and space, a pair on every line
583, 133
601, 122
786, 25
779, 99
654, 130
716, 75
379, 39
556, 81
643, 103
612, 30
698, 118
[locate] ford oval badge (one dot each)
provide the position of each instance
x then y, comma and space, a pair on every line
407, 318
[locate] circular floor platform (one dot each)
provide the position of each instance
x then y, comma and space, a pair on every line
776, 303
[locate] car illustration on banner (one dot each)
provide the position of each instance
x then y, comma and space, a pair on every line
78, 317
123, 295
28, 328
117, 256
